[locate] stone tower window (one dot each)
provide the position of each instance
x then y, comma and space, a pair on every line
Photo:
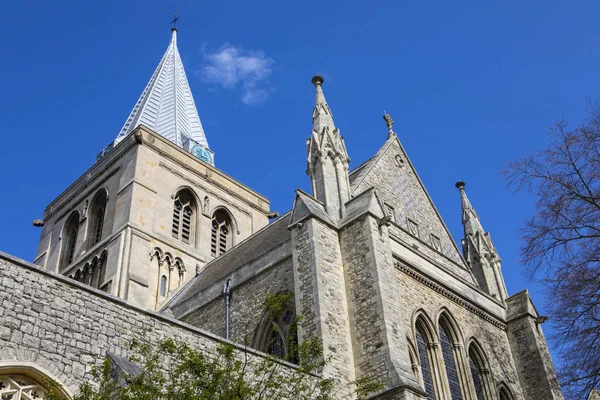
70, 239
97, 212
20, 387
184, 212
221, 235
163, 285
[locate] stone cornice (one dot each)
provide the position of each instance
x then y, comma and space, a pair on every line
467, 305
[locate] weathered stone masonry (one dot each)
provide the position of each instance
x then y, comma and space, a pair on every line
64, 327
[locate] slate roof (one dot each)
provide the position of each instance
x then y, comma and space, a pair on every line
253, 247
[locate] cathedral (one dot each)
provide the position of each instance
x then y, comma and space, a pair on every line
154, 234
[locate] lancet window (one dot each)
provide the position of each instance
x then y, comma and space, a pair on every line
450, 364
184, 214
424, 361
70, 232
97, 212
221, 234
478, 371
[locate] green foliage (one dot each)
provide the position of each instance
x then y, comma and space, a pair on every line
173, 370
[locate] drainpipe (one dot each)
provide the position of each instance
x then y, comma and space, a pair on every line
227, 295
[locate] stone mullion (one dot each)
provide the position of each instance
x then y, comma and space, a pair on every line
462, 366
487, 382
438, 371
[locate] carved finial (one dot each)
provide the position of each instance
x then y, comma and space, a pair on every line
389, 122
460, 185
317, 80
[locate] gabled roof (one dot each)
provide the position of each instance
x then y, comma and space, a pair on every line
167, 106
394, 177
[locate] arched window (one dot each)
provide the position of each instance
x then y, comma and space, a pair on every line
97, 211
279, 336
184, 214
425, 364
477, 366
163, 285
450, 364
220, 240
70, 232
504, 394
26, 382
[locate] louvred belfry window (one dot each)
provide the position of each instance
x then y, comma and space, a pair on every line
220, 240
183, 217
70, 232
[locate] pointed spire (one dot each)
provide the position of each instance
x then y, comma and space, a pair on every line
470, 219
322, 116
167, 106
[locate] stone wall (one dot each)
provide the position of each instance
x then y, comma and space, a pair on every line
247, 303
420, 294
530, 350
63, 326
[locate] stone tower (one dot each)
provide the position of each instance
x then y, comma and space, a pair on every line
153, 210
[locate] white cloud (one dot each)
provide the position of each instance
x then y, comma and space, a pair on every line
232, 66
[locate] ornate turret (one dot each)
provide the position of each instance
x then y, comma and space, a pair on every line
327, 157
479, 250
167, 107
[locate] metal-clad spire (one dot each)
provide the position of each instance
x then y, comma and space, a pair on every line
167, 106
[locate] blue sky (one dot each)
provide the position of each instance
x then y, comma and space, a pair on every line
471, 85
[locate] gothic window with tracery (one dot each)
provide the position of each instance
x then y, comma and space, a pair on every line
20, 387
184, 209
279, 337
221, 235
70, 239
450, 364
476, 378
425, 366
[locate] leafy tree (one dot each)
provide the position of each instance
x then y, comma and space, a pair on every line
562, 243
174, 370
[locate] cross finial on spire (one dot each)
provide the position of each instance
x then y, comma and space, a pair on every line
389, 122
174, 22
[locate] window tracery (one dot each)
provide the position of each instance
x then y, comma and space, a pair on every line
21, 387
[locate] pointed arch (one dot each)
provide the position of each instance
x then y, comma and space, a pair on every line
69, 239
504, 393
426, 342
277, 334
222, 228
451, 346
479, 371
185, 215
96, 217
